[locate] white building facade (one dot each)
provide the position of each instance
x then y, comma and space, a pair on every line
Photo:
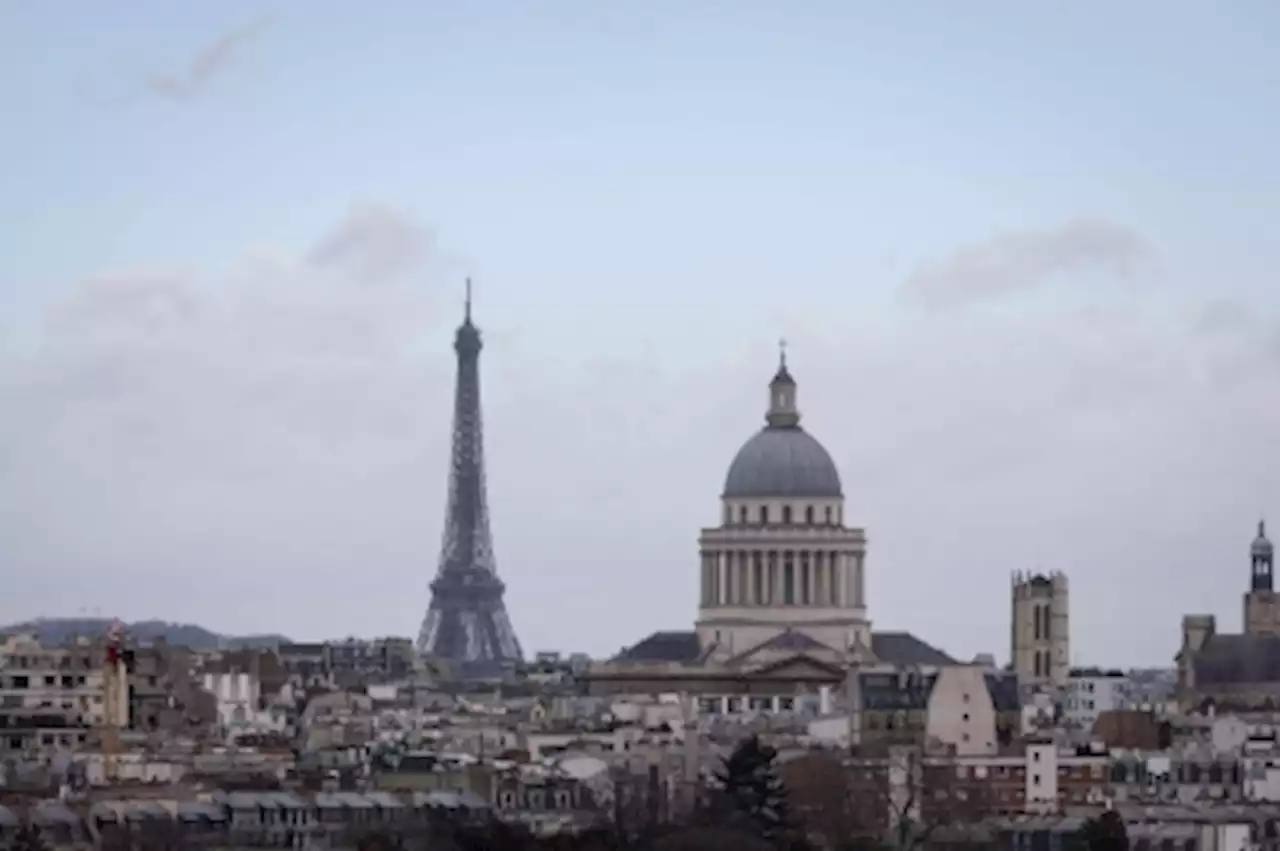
1090, 692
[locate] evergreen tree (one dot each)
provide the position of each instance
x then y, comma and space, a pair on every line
28, 838
1105, 833
752, 791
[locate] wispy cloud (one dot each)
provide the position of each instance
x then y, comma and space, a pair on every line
205, 66
1015, 262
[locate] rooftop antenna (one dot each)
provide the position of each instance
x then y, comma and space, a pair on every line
468, 302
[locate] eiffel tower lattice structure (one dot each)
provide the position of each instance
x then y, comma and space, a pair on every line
466, 625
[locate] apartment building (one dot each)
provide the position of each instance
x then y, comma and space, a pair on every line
1091, 691
49, 696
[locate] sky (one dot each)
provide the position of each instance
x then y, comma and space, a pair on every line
1021, 254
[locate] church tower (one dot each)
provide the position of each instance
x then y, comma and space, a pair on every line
1040, 640
1261, 605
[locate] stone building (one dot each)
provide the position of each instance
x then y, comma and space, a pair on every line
782, 557
1040, 640
782, 609
1240, 672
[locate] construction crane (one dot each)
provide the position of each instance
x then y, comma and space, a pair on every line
115, 697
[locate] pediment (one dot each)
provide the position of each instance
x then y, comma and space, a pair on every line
800, 667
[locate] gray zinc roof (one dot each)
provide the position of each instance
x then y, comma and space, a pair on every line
903, 648
1227, 659
782, 461
664, 646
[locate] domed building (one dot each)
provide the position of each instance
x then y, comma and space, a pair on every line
782, 557
782, 607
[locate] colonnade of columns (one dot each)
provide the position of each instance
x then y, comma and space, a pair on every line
806, 576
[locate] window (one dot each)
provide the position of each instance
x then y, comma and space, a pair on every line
1035, 756
742, 515
1035, 779
828, 515
786, 515
764, 515
965, 717
808, 515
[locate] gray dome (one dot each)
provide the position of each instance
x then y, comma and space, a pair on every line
782, 462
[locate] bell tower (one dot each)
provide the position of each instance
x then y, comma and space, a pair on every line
1261, 604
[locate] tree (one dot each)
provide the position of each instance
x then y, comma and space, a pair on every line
708, 838
1105, 833
897, 798
752, 793
28, 838
836, 801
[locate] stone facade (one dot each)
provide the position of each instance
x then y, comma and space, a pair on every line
1040, 640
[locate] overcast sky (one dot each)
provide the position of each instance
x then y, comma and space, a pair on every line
1024, 256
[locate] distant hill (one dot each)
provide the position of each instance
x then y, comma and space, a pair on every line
59, 630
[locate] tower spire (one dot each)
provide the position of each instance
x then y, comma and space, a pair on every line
1261, 556
467, 315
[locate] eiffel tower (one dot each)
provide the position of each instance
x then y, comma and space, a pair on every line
466, 625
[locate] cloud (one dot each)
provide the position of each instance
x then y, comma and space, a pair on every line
1224, 315
269, 451
1017, 262
375, 245
206, 65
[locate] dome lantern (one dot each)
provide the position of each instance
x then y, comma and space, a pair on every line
782, 460
783, 412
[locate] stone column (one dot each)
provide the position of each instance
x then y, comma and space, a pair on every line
722, 584
744, 578
819, 578
807, 574
837, 579
704, 579
757, 571
773, 570
862, 591
789, 577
